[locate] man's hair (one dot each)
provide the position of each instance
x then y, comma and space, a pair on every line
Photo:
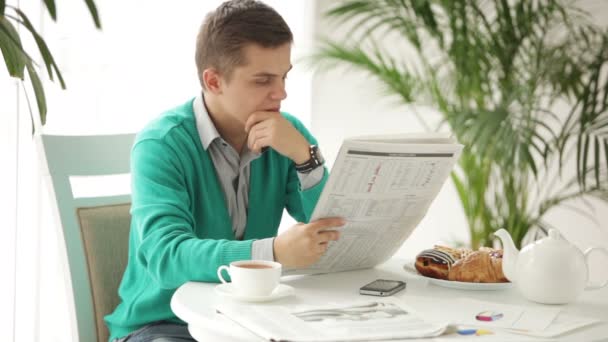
234, 24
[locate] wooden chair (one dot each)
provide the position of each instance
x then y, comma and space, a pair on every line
94, 230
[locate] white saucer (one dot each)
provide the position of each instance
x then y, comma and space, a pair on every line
227, 290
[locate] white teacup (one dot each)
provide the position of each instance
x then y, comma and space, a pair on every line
252, 277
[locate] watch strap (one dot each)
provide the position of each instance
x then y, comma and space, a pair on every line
315, 161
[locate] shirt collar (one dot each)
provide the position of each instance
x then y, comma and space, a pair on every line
204, 125
206, 129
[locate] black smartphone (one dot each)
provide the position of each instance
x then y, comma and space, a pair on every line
382, 287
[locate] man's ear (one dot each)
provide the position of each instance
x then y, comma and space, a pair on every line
212, 81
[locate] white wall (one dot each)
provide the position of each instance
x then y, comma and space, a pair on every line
347, 103
142, 62
8, 117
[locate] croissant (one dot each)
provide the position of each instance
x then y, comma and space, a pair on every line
482, 266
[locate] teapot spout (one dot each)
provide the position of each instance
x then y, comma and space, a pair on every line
510, 254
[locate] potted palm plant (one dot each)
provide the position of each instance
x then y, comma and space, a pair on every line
18, 60
520, 83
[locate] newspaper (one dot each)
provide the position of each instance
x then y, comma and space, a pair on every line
382, 319
528, 319
383, 186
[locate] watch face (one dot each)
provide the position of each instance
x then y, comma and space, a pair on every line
317, 155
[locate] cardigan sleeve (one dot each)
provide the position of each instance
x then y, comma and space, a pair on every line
301, 203
163, 239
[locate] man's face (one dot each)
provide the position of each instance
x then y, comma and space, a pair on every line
259, 85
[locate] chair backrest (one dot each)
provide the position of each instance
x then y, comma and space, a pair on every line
94, 230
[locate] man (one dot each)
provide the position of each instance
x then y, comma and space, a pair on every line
211, 177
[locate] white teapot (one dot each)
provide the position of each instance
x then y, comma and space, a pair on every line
550, 270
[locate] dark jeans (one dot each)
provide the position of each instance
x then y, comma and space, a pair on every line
159, 332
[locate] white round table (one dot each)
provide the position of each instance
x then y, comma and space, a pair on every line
195, 303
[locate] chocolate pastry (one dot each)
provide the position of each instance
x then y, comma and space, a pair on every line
434, 263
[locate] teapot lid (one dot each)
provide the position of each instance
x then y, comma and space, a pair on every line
557, 241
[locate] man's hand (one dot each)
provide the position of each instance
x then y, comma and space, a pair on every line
303, 244
272, 129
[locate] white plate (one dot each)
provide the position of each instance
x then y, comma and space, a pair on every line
227, 290
461, 285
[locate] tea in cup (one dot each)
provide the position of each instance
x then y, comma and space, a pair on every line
252, 277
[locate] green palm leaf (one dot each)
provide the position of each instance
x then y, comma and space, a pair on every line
397, 79
50, 6
94, 13
15, 57
17, 60
38, 91
49, 61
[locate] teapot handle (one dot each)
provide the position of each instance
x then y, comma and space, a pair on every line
587, 253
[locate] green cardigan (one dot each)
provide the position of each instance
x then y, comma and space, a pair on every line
180, 227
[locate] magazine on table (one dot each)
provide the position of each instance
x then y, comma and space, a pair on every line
381, 319
383, 187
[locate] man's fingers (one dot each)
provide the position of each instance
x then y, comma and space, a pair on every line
255, 118
322, 247
259, 144
325, 223
260, 141
257, 138
328, 235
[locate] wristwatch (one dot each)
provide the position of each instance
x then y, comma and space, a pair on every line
316, 160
